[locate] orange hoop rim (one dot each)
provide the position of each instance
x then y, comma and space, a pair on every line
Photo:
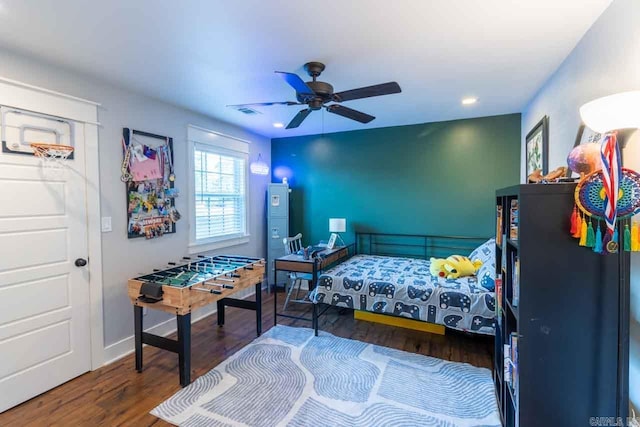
42, 149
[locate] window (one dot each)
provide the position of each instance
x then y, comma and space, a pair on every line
219, 196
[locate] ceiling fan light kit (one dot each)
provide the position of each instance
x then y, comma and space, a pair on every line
316, 95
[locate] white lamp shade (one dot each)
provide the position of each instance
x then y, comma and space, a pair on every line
337, 225
619, 111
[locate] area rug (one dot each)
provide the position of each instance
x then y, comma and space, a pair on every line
288, 377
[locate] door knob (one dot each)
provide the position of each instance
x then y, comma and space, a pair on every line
81, 262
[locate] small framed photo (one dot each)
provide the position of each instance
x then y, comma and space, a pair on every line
537, 146
332, 241
587, 159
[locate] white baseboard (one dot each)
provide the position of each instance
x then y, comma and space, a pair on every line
126, 346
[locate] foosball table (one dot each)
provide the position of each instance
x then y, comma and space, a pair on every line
186, 286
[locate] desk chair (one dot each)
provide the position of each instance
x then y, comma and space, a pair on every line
291, 246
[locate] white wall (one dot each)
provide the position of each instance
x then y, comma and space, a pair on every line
605, 61
124, 258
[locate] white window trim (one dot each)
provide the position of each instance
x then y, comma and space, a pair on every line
221, 143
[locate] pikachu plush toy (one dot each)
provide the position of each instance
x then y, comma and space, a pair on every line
454, 266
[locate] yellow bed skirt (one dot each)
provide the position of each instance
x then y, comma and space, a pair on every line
401, 322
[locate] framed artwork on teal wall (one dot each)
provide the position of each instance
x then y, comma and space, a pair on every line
537, 145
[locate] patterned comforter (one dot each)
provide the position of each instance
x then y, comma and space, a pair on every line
404, 287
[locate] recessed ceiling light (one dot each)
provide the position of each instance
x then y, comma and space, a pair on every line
469, 101
278, 125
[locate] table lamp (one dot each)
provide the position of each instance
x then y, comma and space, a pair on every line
607, 115
338, 225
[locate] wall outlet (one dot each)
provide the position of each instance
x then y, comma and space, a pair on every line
106, 224
144, 311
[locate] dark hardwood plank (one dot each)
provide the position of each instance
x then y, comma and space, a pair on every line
117, 395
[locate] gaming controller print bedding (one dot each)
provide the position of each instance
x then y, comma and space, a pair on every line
404, 287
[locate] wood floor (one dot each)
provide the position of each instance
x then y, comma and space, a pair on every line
116, 395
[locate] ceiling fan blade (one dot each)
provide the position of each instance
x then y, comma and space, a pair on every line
299, 118
350, 113
367, 92
296, 82
264, 104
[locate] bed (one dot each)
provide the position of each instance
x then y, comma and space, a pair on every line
380, 278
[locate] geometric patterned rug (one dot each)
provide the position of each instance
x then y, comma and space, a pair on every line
288, 377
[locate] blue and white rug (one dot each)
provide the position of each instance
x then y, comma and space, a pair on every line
288, 377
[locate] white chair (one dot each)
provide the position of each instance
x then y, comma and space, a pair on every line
291, 246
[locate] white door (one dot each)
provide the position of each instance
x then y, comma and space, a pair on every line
44, 296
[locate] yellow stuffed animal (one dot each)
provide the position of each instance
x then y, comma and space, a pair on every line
436, 268
454, 266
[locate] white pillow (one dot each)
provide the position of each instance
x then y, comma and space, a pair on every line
487, 272
486, 253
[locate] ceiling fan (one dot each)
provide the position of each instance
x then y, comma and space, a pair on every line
316, 94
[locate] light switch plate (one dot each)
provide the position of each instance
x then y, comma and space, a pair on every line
106, 224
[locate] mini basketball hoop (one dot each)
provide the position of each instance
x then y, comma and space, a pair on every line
53, 156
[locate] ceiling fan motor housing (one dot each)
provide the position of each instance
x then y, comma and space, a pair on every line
323, 93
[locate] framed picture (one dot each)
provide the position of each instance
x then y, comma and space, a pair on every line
332, 241
586, 135
537, 146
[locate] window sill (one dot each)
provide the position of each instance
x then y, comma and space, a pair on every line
195, 248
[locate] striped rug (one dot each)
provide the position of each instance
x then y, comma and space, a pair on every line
288, 377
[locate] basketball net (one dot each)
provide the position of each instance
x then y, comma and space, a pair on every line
52, 157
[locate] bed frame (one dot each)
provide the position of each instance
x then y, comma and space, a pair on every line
422, 246
415, 245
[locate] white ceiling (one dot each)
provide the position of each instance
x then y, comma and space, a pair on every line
203, 55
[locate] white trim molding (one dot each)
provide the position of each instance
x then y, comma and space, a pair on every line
217, 139
49, 91
204, 139
94, 235
34, 98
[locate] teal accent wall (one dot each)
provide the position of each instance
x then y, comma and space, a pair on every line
433, 178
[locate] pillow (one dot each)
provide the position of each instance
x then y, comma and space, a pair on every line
485, 252
486, 279
487, 272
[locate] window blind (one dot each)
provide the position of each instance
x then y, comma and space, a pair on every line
220, 194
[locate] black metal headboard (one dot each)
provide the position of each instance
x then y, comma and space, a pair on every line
415, 245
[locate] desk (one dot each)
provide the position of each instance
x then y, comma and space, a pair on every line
297, 264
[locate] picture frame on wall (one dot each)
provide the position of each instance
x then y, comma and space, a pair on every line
537, 147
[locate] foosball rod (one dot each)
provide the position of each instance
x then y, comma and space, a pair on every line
208, 275
238, 258
229, 272
222, 285
230, 260
187, 268
210, 291
201, 267
201, 259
